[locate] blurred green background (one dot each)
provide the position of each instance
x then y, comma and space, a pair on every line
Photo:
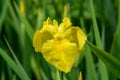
18, 60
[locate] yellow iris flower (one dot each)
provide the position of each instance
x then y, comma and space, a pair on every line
59, 44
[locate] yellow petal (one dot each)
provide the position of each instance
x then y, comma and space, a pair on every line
39, 38
47, 22
81, 37
65, 24
50, 26
55, 23
47, 32
61, 53
75, 35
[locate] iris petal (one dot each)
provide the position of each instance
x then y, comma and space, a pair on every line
75, 35
81, 37
39, 38
65, 25
60, 53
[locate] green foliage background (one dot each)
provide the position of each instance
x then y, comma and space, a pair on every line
100, 19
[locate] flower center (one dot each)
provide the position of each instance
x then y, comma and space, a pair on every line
58, 36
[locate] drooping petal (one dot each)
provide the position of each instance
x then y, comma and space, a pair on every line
60, 53
75, 35
81, 37
47, 32
39, 38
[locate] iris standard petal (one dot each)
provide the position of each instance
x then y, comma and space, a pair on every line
47, 22
65, 25
50, 28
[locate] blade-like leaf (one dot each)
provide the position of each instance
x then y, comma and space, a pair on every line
20, 67
3, 12
79, 59
10, 62
14, 19
91, 74
28, 27
115, 48
104, 75
2, 76
111, 62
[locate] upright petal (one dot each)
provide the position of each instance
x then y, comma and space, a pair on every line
65, 24
55, 23
50, 26
47, 22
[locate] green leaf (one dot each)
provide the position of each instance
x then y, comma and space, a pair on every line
91, 74
104, 75
2, 75
115, 48
111, 62
3, 12
79, 59
28, 27
35, 68
10, 62
13, 20
95, 26
20, 67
